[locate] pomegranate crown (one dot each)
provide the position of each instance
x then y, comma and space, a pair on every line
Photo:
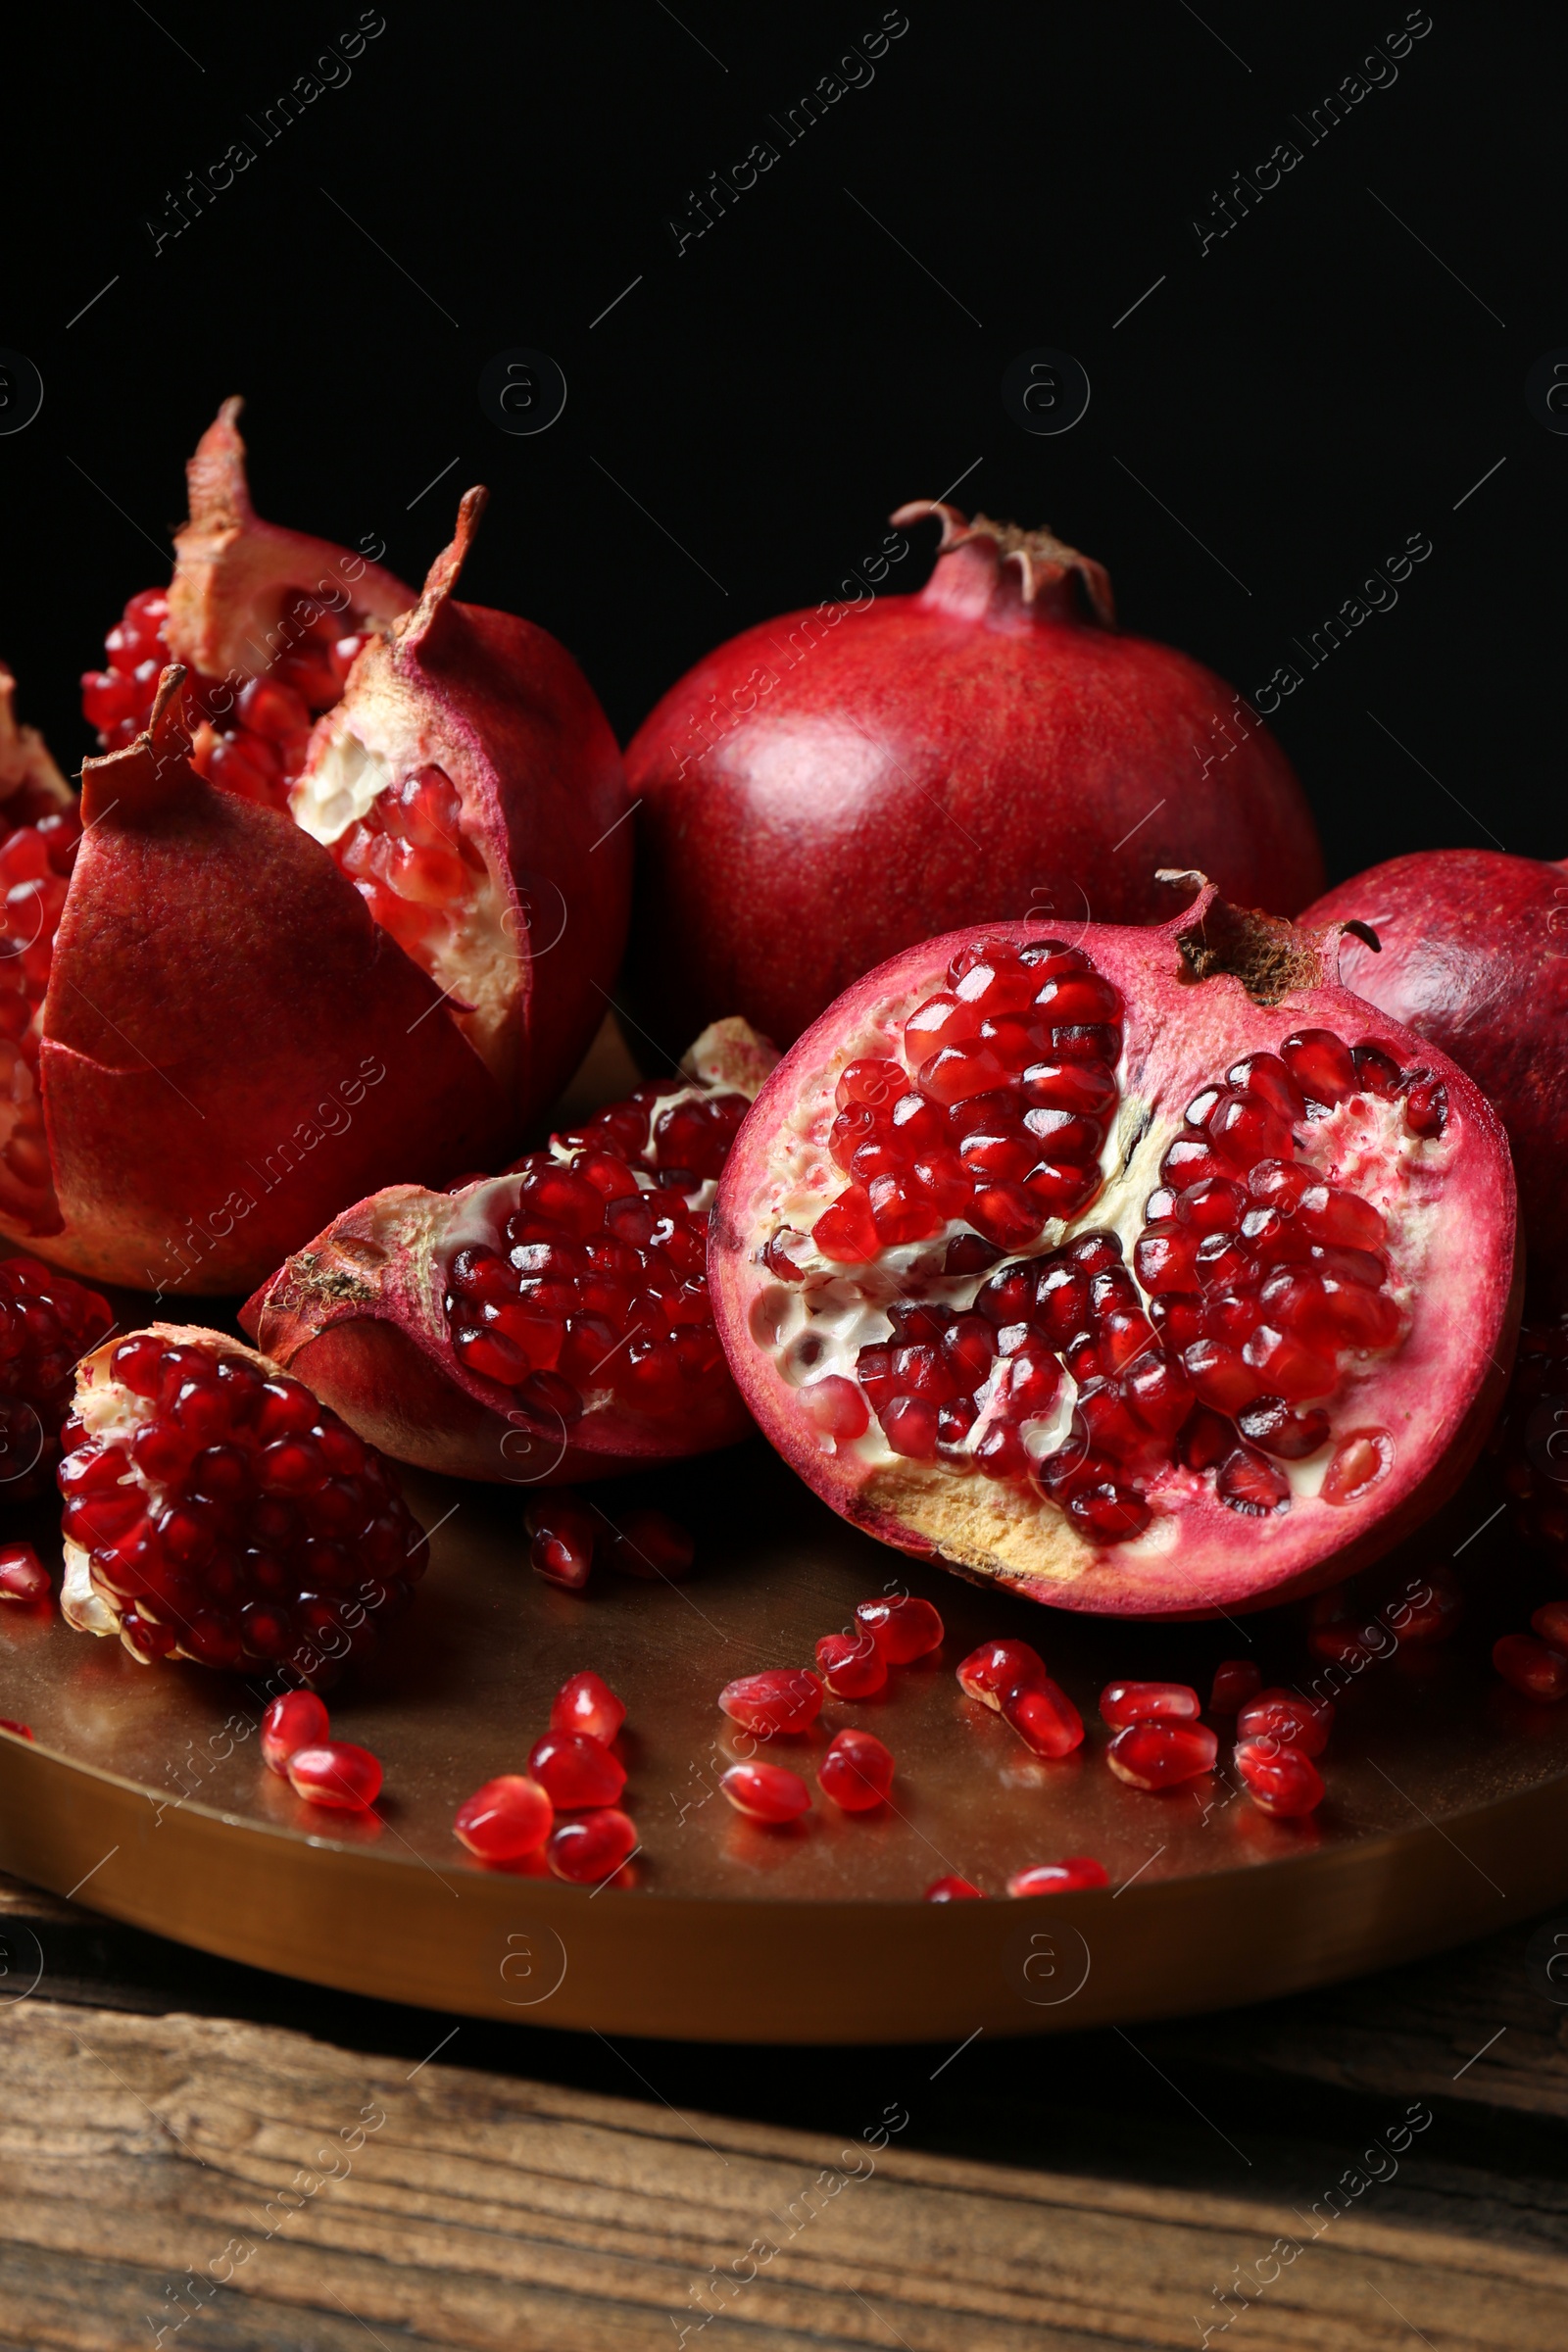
151, 769
412, 627
981, 564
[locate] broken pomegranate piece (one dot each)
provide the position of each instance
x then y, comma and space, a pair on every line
1117, 1270
217, 1510
550, 1323
47, 1322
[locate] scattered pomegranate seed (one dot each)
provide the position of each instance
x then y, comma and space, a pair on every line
1043, 1718
561, 1546
1550, 1622
767, 1792
904, 1630
335, 1772
857, 1772
952, 1890
851, 1665
1532, 1667
1122, 1703
22, 1731
1158, 1755
23, 1575
997, 1667
592, 1847
1283, 1715
297, 1720
1278, 1779
1236, 1681
1059, 1878
1436, 1619
780, 1700
505, 1820
575, 1770
650, 1543
586, 1703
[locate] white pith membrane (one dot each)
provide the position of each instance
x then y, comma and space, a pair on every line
462, 937
110, 1414
816, 1327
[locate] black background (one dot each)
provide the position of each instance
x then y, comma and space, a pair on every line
1315, 388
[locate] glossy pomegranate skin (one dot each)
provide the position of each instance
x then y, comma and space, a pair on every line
1474, 955
884, 772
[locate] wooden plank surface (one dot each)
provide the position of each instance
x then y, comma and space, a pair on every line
1099, 2189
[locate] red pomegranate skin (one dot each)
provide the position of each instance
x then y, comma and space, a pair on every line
832, 787
1474, 955
1437, 1392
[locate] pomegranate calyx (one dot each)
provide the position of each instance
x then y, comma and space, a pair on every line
153, 769
1007, 573
1269, 955
414, 627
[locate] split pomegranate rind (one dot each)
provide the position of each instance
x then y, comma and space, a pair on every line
216, 1510
1147, 1273
547, 1324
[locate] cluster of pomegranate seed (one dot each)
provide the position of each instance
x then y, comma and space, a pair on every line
47, 1321
412, 861
257, 733
1255, 1277
573, 1770
596, 1279
1010, 1679
297, 1744
23, 1575
229, 1517
857, 1771
565, 1536
1344, 1632
886, 1633
1536, 1664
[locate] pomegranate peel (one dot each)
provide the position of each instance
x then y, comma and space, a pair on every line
1158, 1294
542, 1325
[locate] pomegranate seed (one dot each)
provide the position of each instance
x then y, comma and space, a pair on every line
997, 1667
767, 1792
1426, 1107
1059, 1878
1283, 1715
851, 1665
505, 1820
592, 1847
1361, 1458
22, 1731
1236, 1681
586, 1703
562, 1545
1532, 1668
857, 1771
1436, 1615
835, 1406
781, 1701
1122, 1703
650, 1543
575, 1770
23, 1575
1043, 1718
845, 1232
297, 1720
1550, 1622
1159, 1755
951, 1891
1278, 1779
904, 1630
335, 1772
1321, 1065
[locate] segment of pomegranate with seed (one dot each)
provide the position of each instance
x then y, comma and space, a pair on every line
217, 1510
23, 1575
592, 1847
767, 1792
904, 1630
1236, 1681
952, 1889
857, 1772
1278, 1778
297, 1718
850, 1664
548, 1323
585, 1702
40, 829
505, 1819
1532, 1667
1288, 1717
1170, 1306
1160, 1755
776, 1701
1059, 1878
337, 1774
575, 1770
1122, 1703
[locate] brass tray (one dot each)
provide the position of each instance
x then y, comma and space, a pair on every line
143, 1791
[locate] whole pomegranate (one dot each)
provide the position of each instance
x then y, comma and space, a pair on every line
547, 1324
835, 786
216, 1510
1474, 955
1149, 1273
251, 1018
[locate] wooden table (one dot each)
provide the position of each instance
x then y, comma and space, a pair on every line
248, 2164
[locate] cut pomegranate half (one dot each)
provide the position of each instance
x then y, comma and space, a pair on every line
1156, 1291
217, 1510
549, 1324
